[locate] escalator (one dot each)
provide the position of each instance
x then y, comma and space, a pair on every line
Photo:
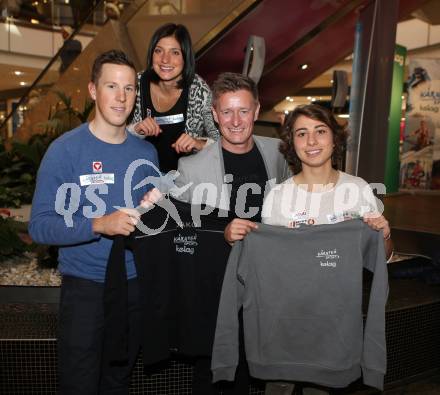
54, 91
51, 30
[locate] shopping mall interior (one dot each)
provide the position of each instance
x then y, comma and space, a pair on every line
374, 63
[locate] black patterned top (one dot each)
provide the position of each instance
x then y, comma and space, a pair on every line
199, 121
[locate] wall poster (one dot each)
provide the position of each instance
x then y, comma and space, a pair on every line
420, 158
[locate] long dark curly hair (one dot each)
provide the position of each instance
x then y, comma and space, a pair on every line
318, 113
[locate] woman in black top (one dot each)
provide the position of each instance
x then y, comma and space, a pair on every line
173, 106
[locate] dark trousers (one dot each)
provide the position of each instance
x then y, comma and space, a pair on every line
80, 339
202, 376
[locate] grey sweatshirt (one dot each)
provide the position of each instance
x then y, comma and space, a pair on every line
301, 293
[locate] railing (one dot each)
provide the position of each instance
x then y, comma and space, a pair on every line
212, 15
53, 69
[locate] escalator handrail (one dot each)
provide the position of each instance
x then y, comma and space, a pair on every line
50, 63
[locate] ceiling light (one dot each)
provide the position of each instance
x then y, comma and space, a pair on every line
343, 115
35, 21
313, 98
287, 97
309, 97
304, 66
286, 112
22, 83
331, 81
18, 72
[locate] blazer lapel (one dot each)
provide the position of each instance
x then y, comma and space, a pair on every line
219, 168
271, 170
220, 161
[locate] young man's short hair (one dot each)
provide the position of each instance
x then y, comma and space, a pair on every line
233, 82
113, 56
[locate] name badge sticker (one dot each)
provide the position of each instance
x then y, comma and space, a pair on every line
97, 178
335, 218
300, 218
344, 216
170, 119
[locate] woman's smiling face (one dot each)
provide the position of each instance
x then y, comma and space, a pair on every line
313, 142
168, 60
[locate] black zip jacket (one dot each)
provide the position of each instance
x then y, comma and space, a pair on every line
180, 270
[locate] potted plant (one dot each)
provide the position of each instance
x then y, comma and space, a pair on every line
19, 166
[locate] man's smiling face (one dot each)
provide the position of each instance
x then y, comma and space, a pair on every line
236, 112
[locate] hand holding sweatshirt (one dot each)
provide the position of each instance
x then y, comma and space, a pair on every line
301, 293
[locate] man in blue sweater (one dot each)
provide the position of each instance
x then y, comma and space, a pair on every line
82, 198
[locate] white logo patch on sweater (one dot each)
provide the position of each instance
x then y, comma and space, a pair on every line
185, 244
328, 258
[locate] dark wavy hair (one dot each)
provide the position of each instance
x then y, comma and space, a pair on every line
113, 56
318, 113
181, 34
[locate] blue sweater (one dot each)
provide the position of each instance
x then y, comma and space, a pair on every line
63, 216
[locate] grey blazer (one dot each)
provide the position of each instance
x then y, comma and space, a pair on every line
202, 176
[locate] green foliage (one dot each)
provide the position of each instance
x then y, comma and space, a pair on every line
20, 164
18, 173
88, 108
65, 117
10, 242
19, 168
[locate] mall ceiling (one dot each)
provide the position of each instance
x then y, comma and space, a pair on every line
319, 33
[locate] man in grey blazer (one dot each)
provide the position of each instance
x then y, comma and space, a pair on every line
232, 174
236, 172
